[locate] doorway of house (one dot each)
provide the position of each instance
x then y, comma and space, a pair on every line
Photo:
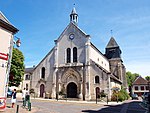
72, 90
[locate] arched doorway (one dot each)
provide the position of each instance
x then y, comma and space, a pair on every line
72, 90
42, 90
97, 92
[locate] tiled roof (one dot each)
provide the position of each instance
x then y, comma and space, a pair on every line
140, 81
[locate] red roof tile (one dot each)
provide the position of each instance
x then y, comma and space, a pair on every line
140, 81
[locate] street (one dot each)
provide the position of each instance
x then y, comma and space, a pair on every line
53, 106
131, 106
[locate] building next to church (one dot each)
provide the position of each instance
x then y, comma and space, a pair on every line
26, 83
7, 32
140, 86
75, 67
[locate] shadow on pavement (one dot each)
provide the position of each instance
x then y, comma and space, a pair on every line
131, 107
8, 106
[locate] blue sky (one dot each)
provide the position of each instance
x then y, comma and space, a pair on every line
42, 21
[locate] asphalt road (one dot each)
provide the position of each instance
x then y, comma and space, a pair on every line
49, 106
130, 106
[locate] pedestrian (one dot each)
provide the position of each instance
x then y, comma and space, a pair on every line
27, 95
13, 98
23, 94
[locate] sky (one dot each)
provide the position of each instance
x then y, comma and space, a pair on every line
40, 22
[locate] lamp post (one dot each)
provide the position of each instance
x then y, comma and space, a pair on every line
18, 42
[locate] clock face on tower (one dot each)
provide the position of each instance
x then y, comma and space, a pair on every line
71, 36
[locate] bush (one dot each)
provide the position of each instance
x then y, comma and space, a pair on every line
32, 91
102, 94
122, 95
19, 91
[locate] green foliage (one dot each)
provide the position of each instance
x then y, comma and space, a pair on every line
147, 78
19, 91
102, 94
17, 67
32, 91
121, 95
131, 77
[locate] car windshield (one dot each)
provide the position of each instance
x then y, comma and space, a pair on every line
134, 95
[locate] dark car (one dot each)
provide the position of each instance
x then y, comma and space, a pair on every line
145, 95
9, 93
134, 96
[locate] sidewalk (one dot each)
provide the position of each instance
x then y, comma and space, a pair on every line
21, 109
9, 109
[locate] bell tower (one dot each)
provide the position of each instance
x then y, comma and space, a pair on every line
117, 68
74, 16
112, 49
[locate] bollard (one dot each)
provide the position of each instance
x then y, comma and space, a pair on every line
24, 102
17, 111
107, 99
29, 106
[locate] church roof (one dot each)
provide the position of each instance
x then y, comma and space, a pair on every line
70, 24
140, 81
73, 11
4, 23
112, 43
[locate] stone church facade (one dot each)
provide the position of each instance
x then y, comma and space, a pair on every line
75, 67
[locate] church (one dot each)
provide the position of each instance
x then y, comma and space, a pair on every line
76, 68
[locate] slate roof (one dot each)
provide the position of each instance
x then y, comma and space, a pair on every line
140, 81
2, 17
4, 23
29, 70
112, 43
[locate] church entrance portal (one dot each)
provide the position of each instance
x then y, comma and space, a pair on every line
72, 90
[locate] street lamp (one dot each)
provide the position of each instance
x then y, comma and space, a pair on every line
18, 42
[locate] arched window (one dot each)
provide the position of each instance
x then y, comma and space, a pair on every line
96, 79
43, 72
27, 86
68, 55
27, 77
74, 54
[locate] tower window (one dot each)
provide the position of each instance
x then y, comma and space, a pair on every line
27, 77
74, 54
96, 79
27, 86
68, 55
43, 73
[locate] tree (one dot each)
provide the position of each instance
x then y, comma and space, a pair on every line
131, 78
17, 68
147, 78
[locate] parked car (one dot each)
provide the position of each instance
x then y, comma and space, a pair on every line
135, 96
145, 95
9, 93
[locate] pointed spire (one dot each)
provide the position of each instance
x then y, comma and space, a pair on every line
112, 43
74, 16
